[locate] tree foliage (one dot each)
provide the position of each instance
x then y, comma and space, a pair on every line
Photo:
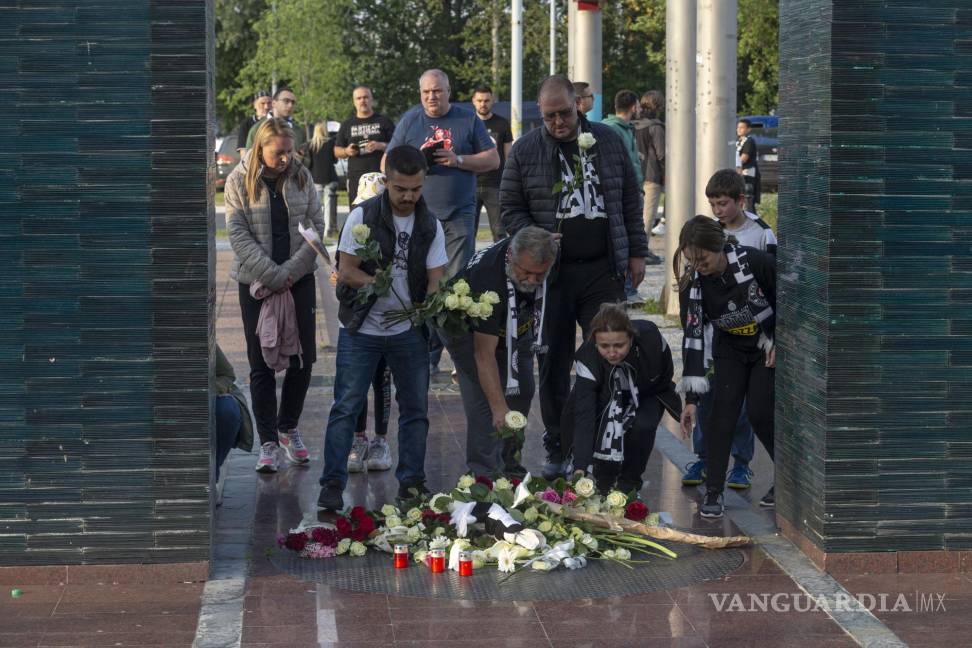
323, 48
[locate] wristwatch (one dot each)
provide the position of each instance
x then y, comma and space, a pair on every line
458, 161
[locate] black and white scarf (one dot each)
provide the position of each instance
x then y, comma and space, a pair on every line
696, 351
539, 310
586, 199
619, 414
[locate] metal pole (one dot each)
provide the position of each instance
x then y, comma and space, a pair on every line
715, 91
587, 53
679, 132
516, 70
553, 36
571, 39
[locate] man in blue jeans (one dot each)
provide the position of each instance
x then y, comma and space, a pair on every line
413, 256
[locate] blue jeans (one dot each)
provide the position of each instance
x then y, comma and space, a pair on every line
227, 414
357, 357
742, 438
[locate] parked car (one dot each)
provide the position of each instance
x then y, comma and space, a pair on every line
765, 131
226, 158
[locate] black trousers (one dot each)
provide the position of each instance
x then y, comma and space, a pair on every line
263, 380
381, 384
639, 441
574, 298
740, 376
488, 197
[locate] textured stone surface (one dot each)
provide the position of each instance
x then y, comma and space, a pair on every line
874, 274
105, 298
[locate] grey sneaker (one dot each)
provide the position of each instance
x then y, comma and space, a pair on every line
267, 461
359, 452
712, 507
379, 454
293, 447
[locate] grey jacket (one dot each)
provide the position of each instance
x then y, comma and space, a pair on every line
533, 168
250, 231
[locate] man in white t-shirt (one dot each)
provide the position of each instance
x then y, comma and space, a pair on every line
413, 257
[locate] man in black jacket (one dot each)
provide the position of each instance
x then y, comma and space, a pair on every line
576, 179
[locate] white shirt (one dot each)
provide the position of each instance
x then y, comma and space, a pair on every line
399, 297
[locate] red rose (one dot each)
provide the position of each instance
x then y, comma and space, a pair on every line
296, 541
485, 481
428, 515
636, 511
343, 527
327, 537
366, 524
515, 482
357, 513
444, 518
358, 534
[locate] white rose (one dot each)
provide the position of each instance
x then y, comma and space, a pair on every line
622, 554
530, 514
360, 233
388, 509
343, 546
414, 515
358, 549
585, 141
414, 533
608, 553
589, 541
461, 288
485, 310
515, 420
473, 310
466, 481
584, 487
489, 297
393, 521
465, 301
502, 484
616, 499
452, 302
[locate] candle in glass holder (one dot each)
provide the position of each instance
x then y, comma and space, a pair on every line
437, 560
465, 564
401, 556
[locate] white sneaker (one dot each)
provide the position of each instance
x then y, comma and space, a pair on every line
267, 462
359, 452
379, 454
293, 447
659, 229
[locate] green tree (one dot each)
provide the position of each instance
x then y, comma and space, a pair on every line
236, 42
758, 55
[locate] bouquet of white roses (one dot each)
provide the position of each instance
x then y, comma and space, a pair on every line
369, 250
452, 308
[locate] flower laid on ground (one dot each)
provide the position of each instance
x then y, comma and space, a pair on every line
541, 526
452, 308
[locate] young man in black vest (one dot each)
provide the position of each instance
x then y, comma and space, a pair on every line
413, 245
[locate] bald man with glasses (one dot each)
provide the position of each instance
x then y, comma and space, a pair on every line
596, 217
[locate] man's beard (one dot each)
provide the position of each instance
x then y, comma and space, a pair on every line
522, 286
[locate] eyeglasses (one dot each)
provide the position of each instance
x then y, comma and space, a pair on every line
563, 115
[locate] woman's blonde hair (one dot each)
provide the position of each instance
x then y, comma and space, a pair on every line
270, 128
699, 232
320, 136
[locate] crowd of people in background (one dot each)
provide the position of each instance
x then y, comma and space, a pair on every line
571, 206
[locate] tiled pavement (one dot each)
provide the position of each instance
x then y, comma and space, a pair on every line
279, 610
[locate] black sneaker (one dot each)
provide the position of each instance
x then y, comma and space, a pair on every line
712, 506
412, 491
331, 497
769, 499
652, 259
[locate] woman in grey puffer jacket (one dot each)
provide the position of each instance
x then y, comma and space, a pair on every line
266, 196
